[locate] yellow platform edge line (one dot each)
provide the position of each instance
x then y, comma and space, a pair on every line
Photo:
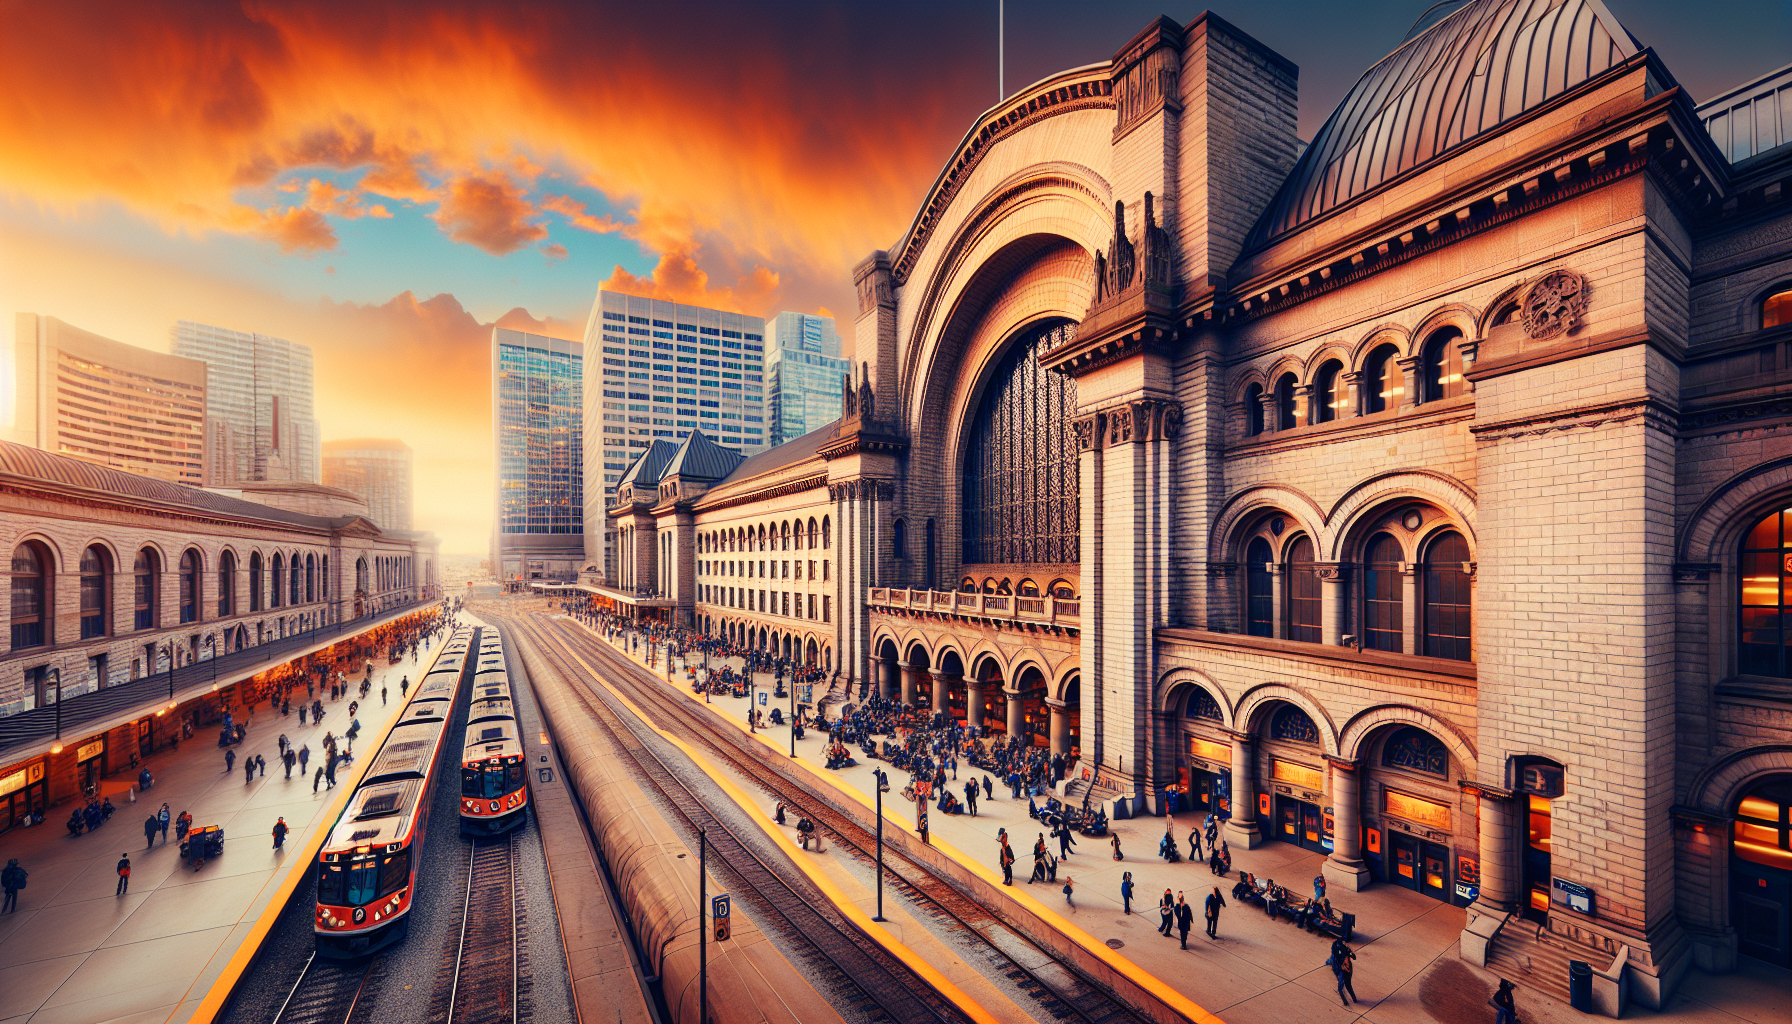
213, 1003
957, 996
1121, 964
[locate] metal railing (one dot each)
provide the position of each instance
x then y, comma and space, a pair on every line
150, 691
1047, 610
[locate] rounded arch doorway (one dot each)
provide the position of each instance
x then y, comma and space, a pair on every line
1761, 872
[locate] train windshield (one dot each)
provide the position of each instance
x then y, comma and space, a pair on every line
494, 781
395, 871
348, 885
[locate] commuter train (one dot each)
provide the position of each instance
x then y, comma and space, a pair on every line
367, 869
494, 787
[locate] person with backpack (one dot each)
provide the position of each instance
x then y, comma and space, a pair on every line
1343, 964
280, 831
1501, 1002
124, 874
1126, 891
12, 879
1213, 904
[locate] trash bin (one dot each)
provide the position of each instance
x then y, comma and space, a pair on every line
1580, 985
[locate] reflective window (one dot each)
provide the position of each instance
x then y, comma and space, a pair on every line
1442, 360
1285, 404
1764, 825
96, 591
1328, 393
1020, 480
1303, 593
1777, 310
255, 581
1447, 598
147, 570
1382, 386
1766, 632
1259, 595
1382, 625
226, 584
30, 585
189, 586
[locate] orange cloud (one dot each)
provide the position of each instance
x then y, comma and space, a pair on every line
489, 212
325, 197
555, 252
574, 212
678, 278
298, 229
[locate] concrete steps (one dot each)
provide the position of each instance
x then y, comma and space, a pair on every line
1527, 960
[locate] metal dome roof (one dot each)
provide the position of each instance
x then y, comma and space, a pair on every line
1482, 65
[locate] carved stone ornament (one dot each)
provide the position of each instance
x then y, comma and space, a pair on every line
1120, 426
1554, 304
1087, 429
1331, 573
1171, 424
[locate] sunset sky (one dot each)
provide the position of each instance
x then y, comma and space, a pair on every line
384, 181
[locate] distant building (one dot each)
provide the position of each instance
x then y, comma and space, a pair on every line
538, 437
379, 470
803, 369
260, 423
107, 402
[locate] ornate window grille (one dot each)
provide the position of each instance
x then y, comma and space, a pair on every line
1202, 705
1020, 479
1418, 751
1292, 724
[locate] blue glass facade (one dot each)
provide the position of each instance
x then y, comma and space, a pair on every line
802, 371
538, 431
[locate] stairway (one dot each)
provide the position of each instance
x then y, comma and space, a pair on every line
1528, 960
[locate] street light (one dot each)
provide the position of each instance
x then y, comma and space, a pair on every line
882, 787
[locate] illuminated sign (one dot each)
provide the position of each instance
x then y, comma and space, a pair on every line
1296, 774
1210, 750
89, 751
1418, 810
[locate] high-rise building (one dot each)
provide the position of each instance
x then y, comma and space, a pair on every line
662, 369
379, 470
259, 417
107, 402
538, 436
803, 370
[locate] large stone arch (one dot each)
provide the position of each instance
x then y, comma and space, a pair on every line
1256, 500
1440, 489
1715, 788
1181, 679
1711, 532
1251, 704
1374, 338
1058, 690
1024, 661
1358, 729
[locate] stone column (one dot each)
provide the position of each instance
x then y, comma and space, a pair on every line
1266, 408
1353, 393
886, 679
942, 691
1498, 821
1345, 867
1409, 375
1016, 727
909, 679
1277, 590
1305, 411
1331, 609
1243, 824
973, 702
1409, 609
1060, 720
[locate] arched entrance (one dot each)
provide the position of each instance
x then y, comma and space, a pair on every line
1027, 716
1291, 779
1204, 754
1411, 808
990, 710
1761, 872
1067, 720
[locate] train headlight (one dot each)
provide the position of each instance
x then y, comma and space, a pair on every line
376, 915
360, 914
494, 805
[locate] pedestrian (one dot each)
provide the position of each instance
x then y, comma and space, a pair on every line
12, 879
1116, 844
1214, 902
1069, 891
162, 822
970, 796
1126, 891
989, 789
248, 770
261, 765
382, 695
302, 714
149, 831
282, 743
124, 874
181, 825
330, 772
1038, 860
1065, 841
280, 834
287, 760
1501, 1001
1166, 911
304, 755
1318, 888
1343, 964
319, 777
1185, 918
1194, 844
1007, 858
229, 761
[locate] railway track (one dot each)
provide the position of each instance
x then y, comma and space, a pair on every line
490, 966
877, 986
1061, 993
325, 993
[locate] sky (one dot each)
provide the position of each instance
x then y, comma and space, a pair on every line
386, 181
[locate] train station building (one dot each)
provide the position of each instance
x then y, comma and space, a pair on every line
1417, 494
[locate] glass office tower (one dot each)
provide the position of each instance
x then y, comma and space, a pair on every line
259, 421
802, 372
538, 436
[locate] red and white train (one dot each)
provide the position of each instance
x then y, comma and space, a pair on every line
494, 785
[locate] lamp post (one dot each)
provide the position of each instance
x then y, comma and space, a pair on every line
883, 784
702, 927
792, 713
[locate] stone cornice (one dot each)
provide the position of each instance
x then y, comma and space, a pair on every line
862, 441
78, 498
770, 490
1585, 418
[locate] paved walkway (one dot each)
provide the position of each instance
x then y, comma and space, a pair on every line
1408, 970
76, 952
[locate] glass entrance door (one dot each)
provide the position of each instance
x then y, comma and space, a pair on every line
1300, 823
1536, 860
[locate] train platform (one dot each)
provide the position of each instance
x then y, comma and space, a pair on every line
76, 952
1408, 970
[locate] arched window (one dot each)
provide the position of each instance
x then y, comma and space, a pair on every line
1259, 594
1292, 725
1447, 598
323, 586
1766, 618
310, 577
1062, 589
1328, 397
1764, 825
827, 534
967, 585
189, 586
1303, 592
255, 581
1382, 619
898, 539
1020, 480
148, 570
293, 580
1416, 750
1253, 410
1442, 361
1382, 386
96, 591
30, 596
1285, 418
1028, 588
226, 584
1202, 705
1776, 309
278, 590
814, 536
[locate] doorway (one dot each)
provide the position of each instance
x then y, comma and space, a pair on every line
1302, 824
1419, 865
1761, 873
1536, 860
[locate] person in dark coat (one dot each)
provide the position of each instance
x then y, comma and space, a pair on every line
12, 879
989, 789
1185, 918
280, 831
1126, 891
150, 827
1214, 902
970, 796
1343, 965
1166, 909
1007, 858
124, 874
319, 777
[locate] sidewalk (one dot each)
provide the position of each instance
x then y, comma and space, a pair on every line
75, 952
1407, 971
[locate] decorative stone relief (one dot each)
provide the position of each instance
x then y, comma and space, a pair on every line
1553, 305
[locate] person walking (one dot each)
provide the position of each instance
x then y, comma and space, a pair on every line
1007, 857
1069, 892
1065, 841
989, 789
124, 874
1126, 891
1038, 860
1116, 844
1194, 845
1343, 964
304, 756
181, 825
382, 695
280, 834
330, 771
1166, 910
319, 777
162, 818
970, 796
149, 831
248, 770
229, 761
12, 879
1501, 1002
1213, 904
287, 759
1185, 918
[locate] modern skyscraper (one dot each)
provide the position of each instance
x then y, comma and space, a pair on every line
107, 402
662, 369
259, 419
379, 470
802, 373
538, 436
